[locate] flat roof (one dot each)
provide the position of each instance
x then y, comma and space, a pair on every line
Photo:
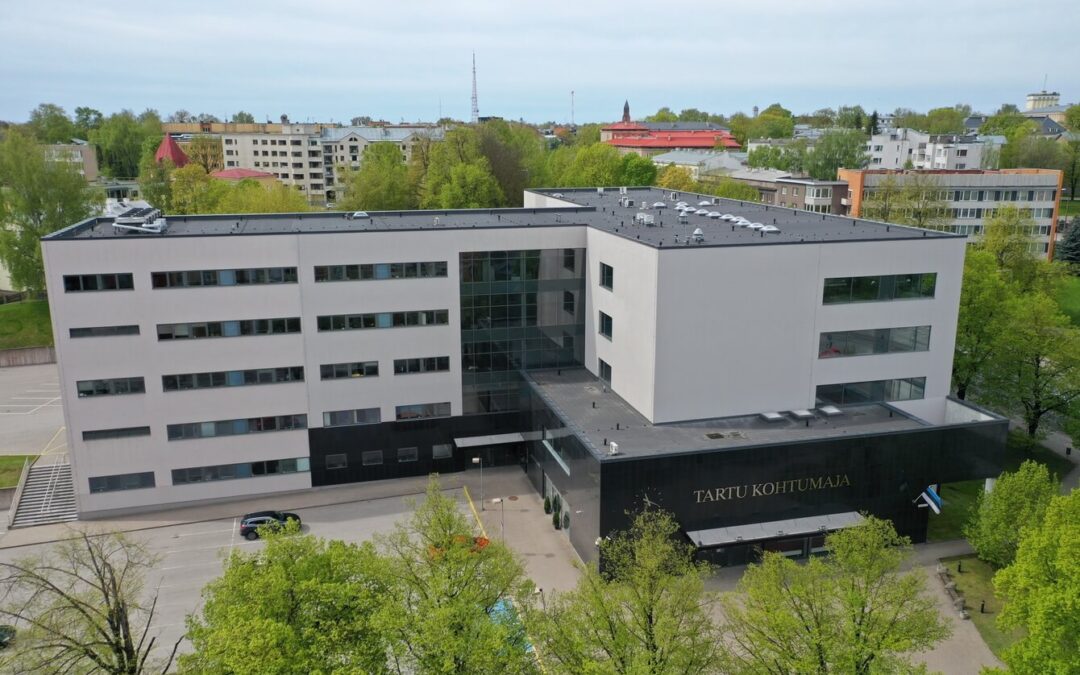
571, 393
586, 207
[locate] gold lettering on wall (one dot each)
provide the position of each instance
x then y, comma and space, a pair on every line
768, 489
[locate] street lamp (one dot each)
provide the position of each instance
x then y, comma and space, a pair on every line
480, 461
502, 516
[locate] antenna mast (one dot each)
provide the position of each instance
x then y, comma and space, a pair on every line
475, 106
571, 107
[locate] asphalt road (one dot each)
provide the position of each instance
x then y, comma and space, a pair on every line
31, 414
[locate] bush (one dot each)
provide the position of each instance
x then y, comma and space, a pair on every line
566, 521
556, 521
547, 504
1018, 499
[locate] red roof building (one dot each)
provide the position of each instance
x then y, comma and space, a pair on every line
171, 151
647, 139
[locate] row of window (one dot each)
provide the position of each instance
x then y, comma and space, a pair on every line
270, 467
429, 317
74, 283
877, 288
337, 371
874, 341
345, 418
250, 425
377, 271
245, 277
375, 457
906, 389
103, 331
111, 387
968, 213
428, 364
231, 378
215, 329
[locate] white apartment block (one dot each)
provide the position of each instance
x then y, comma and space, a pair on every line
895, 149
599, 339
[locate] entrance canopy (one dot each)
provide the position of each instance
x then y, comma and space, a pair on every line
739, 534
480, 441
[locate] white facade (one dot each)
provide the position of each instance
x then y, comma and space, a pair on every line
698, 332
895, 149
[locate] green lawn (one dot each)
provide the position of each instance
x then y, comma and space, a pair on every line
959, 498
1070, 208
10, 469
25, 324
976, 583
1069, 299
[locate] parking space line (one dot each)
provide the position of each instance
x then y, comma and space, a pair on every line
232, 537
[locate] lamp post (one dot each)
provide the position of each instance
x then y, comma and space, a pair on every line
502, 517
480, 461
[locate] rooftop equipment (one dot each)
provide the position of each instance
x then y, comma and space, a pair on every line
146, 220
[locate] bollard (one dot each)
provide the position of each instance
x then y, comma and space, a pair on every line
960, 566
982, 607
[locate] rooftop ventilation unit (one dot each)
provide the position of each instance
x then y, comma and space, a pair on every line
659, 205
772, 416
356, 215
830, 411
557, 195
683, 219
645, 219
146, 220
622, 190
600, 192
802, 414
613, 448
699, 236
674, 196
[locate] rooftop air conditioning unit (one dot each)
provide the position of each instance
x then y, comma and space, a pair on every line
600, 191
613, 448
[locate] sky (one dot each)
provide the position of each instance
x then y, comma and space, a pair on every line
409, 60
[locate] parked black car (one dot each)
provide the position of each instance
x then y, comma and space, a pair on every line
250, 524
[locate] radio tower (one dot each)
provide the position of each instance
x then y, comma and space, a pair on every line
475, 106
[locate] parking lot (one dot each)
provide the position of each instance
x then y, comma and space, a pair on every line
192, 554
31, 415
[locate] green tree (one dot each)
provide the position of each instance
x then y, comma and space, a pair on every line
37, 197
673, 177
647, 612
1072, 117
1003, 123
729, 188
635, 170
773, 122
836, 150
49, 124
1008, 237
923, 203
885, 202
1041, 589
381, 184
1070, 163
852, 612
1026, 149
243, 117
459, 146
206, 151
906, 118
945, 120
251, 196
442, 609
86, 120
1036, 368
505, 150
1007, 108
1018, 499
664, 114
595, 165
693, 115
984, 312
850, 117
765, 157
299, 605
194, 191
119, 140
471, 186
1068, 249
740, 125
822, 118
82, 607
587, 134
873, 124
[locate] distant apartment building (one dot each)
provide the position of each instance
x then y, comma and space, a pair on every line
702, 163
306, 155
910, 149
781, 188
1045, 104
973, 197
80, 154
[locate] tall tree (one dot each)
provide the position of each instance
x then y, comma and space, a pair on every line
872, 124
1019, 498
1072, 117
945, 120
450, 608
597, 164
505, 157
243, 117
885, 202
984, 313
1041, 589
664, 114
636, 170
1025, 148
850, 117
471, 186
1036, 369
83, 607
49, 123
673, 177
298, 605
852, 612
1008, 236
194, 191
206, 151
1070, 164
1068, 249
837, 150
181, 117
647, 612
693, 115
1003, 123
119, 141
86, 120
730, 188
923, 202
381, 183
740, 125
250, 196
459, 146
37, 197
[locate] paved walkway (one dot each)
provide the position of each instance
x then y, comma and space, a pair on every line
1058, 442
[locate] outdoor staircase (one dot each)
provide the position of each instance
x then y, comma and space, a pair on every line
48, 496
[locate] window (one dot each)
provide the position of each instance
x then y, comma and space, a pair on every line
251, 425
430, 364
874, 341
407, 455
124, 432
442, 451
74, 283
371, 457
338, 371
907, 389
345, 418
569, 260
270, 467
103, 331
605, 371
422, 411
122, 481
378, 271
605, 325
339, 461
215, 329
568, 302
879, 288
233, 277
231, 378
113, 387
607, 276
427, 317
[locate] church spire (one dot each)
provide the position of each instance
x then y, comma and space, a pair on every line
626, 111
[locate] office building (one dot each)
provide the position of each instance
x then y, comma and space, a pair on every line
765, 381
972, 197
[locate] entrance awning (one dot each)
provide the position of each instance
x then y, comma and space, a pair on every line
497, 439
795, 527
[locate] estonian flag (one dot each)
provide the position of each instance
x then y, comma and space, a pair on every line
932, 499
